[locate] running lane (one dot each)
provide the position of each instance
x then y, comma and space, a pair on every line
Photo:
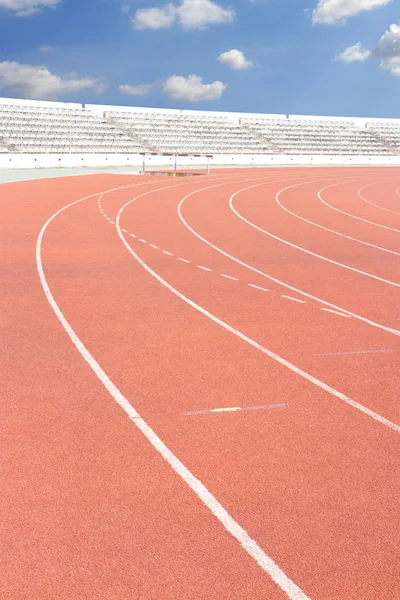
322, 506
90, 510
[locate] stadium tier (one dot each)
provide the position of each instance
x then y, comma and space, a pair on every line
30, 127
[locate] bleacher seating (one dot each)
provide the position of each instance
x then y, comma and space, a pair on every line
51, 127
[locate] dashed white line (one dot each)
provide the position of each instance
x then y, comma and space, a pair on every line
294, 299
183, 260
257, 287
166, 252
132, 234
203, 268
143, 241
125, 230
335, 312
229, 277
154, 246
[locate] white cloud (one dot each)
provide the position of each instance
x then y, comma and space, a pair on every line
37, 82
388, 50
155, 18
141, 89
192, 88
45, 48
328, 12
26, 8
190, 14
234, 59
354, 53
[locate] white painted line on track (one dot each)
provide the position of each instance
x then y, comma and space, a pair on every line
229, 277
292, 591
257, 287
320, 384
335, 312
352, 352
168, 253
132, 235
203, 268
310, 252
270, 277
235, 409
154, 246
184, 260
377, 205
125, 230
142, 240
360, 218
294, 299
353, 239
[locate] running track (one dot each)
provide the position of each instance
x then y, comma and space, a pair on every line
131, 309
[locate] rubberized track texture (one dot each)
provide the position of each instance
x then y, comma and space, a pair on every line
200, 385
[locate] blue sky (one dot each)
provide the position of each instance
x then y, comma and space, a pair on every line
95, 46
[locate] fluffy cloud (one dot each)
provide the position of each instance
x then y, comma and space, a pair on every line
25, 8
190, 14
337, 11
234, 59
37, 82
354, 53
388, 50
192, 88
140, 89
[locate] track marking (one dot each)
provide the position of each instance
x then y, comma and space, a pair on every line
332, 230
294, 299
353, 352
229, 277
266, 275
154, 246
203, 268
360, 218
133, 235
125, 231
142, 240
183, 260
242, 408
168, 253
257, 287
279, 359
335, 312
377, 205
247, 543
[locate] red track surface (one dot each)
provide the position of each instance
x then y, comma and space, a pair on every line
91, 510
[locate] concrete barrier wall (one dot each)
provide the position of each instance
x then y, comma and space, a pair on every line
42, 161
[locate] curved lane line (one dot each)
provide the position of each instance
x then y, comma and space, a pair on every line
292, 591
270, 277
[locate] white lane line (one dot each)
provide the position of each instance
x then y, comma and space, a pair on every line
335, 312
166, 252
112, 222
360, 218
154, 246
203, 268
292, 591
332, 230
354, 352
142, 240
125, 230
294, 299
229, 277
184, 260
257, 287
133, 235
377, 205
266, 275
320, 384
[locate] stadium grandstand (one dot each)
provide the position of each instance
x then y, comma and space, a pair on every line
36, 133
